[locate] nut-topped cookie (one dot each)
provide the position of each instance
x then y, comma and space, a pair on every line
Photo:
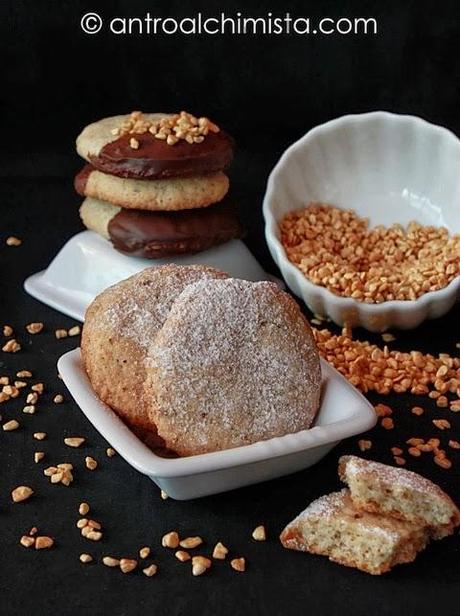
155, 145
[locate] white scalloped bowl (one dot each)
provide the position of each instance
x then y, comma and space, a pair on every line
389, 168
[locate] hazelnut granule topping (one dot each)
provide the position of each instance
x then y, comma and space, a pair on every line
110, 452
335, 249
170, 540
150, 571
34, 328
7, 331
110, 561
144, 552
396, 451
20, 384
58, 399
239, 564
11, 390
86, 558
74, 441
127, 565
454, 444
172, 128
27, 541
441, 424
61, 333
74, 331
417, 410
24, 374
43, 543
387, 423
414, 451
400, 461
191, 542
13, 241
4, 380
30, 409
32, 398
12, 346
220, 551
11, 425
259, 533
371, 368
38, 388
62, 473
90, 463
21, 493
40, 436
182, 555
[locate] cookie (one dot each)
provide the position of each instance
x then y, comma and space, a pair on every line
119, 326
400, 493
170, 194
156, 235
332, 526
108, 145
234, 363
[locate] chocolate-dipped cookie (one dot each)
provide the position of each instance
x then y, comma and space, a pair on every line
155, 146
156, 235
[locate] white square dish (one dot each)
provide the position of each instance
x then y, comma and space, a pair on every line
344, 412
87, 264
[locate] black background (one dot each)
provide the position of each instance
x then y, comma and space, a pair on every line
266, 92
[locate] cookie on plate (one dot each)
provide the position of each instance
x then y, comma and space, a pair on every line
399, 493
156, 235
332, 526
120, 325
172, 194
155, 145
235, 362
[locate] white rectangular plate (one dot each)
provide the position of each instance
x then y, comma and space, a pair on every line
87, 264
344, 412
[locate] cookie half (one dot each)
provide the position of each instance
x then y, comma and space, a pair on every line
170, 194
234, 363
101, 145
156, 235
120, 324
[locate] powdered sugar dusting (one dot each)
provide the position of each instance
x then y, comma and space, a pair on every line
234, 362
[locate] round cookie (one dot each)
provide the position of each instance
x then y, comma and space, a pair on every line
235, 362
170, 194
119, 326
101, 145
157, 235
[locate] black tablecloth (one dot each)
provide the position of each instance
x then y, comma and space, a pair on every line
37, 203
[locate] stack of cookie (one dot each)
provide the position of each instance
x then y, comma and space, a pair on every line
155, 185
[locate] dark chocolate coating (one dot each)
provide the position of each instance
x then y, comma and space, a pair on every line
81, 178
156, 235
155, 159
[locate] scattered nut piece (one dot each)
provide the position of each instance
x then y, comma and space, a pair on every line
259, 533
29, 409
32, 398
20, 384
33, 531
61, 333
396, 451
417, 410
387, 423
364, 444
94, 535
4, 380
83, 509
455, 406
442, 462
90, 463
23, 374
144, 552
74, 331
7, 331
414, 451
10, 425
387, 337
239, 564
127, 564
200, 564
13, 241
38, 388
442, 424
134, 143
170, 540
383, 410
442, 402
38, 455
400, 461
150, 571
40, 436
110, 452
454, 444
21, 493
74, 441
182, 556
11, 390
43, 543
27, 541
34, 328
58, 399
191, 542
110, 561
12, 346
86, 558
220, 551
163, 495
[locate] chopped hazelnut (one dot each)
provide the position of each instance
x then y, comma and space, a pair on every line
21, 493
